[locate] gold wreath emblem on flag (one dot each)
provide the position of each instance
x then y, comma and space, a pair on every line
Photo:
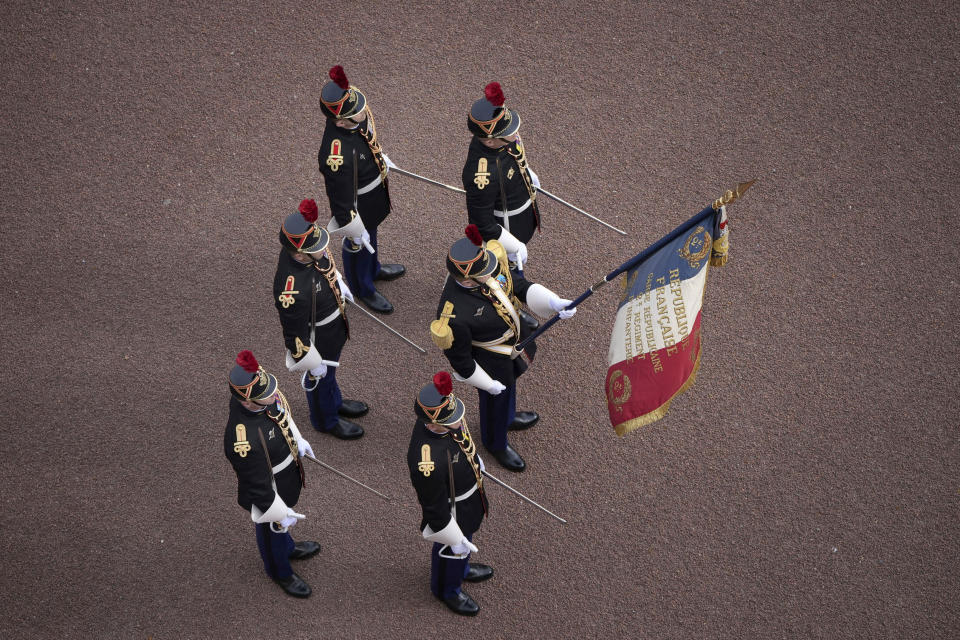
694, 242
618, 389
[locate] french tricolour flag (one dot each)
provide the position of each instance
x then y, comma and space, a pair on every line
655, 346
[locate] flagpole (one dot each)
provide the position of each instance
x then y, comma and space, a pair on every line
727, 198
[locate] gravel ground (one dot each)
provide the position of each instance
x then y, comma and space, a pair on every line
805, 487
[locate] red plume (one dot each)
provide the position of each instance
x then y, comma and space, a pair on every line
246, 360
494, 94
337, 75
473, 233
308, 209
443, 383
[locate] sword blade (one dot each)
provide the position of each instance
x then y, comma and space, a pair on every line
509, 488
343, 475
389, 328
419, 177
579, 210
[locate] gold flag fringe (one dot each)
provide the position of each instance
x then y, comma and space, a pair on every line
649, 418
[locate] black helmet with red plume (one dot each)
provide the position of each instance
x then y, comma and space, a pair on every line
300, 231
249, 381
338, 98
436, 403
489, 118
469, 258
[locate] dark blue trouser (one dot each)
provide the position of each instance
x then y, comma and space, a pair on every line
361, 267
496, 414
325, 401
275, 549
447, 575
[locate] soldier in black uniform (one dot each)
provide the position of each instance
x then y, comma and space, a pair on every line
354, 170
478, 328
309, 294
501, 187
441, 452
264, 446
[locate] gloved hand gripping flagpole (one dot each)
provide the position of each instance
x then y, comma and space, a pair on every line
726, 199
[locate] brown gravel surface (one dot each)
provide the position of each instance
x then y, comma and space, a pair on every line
806, 487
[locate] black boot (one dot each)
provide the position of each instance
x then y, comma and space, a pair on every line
390, 272
377, 302
478, 572
294, 586
305, 549
346, 430
523, 420
353, 409
510, 459
462, 604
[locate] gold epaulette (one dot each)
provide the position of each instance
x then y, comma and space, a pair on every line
440, 330
500, 252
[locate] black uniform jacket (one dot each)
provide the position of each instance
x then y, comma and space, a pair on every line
476, 319
483, 174
292, 296
431, 479
336, 159
244, 450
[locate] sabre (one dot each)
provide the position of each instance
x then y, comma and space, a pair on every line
389, 328
343, 475
419, 177
728, 197
509, 488
579, 210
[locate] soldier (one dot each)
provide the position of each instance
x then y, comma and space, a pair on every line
264, 446
501, 187
354, 170
445, 469
310, 296
478, 328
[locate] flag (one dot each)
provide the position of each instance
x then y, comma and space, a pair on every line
655, 347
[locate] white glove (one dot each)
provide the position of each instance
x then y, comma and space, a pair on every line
364, 239
344, 289
557, 304
319, 371
464, 547
291, 518
480, 461
496, 388
520, 257
304, 448
389, 162
534, 179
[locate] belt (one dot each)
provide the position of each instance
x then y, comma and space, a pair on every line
283, 465
502, 349
497, 345
466, 495
330, 318
370, 187
512, 212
